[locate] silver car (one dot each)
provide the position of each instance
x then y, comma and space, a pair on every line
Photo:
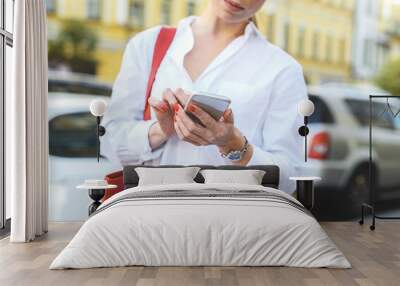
339, 144
75, 83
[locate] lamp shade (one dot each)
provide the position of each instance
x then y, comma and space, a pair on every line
306, 107
98, 107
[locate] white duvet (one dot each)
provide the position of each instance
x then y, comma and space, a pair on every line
203, 231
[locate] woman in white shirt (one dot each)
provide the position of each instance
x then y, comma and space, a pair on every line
221, 52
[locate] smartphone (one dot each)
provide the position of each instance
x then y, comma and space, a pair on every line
215, 105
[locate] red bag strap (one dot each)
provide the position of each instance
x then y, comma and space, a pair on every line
164, 40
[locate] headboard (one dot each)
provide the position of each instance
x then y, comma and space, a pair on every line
270, 179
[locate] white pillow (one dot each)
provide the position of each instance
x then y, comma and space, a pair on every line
166, 176
248, 177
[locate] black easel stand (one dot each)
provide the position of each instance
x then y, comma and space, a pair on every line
371, 206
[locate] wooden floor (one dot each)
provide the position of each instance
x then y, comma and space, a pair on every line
375, 257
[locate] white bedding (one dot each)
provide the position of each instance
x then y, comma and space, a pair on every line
183, 231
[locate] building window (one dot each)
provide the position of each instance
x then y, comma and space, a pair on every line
93, 9
286, 37
342, 51
329, 49
370, 7
166, 12
136, 14
368, 52
315, 46
271, 28
365, 52
301, 42
191, 7
51, 6
6, 44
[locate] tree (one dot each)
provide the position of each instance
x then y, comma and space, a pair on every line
389, 77
75, 47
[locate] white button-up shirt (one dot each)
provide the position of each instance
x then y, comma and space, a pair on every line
264, 84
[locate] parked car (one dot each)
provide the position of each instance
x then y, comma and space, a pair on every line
72, 155
339, 143
76, 83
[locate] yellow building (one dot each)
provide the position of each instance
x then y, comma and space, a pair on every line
391, 26
115, 22
316, 32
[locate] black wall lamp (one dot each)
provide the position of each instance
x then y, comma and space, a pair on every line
305, 109
98, 108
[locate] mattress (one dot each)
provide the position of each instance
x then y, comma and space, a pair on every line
201, 225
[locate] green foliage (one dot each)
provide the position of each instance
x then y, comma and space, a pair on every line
389, 77
75, 47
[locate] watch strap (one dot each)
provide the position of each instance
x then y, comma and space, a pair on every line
237, 155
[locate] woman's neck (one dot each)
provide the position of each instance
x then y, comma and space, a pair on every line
210, 24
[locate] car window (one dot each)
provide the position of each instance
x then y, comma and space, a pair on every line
322, 113
397, 122
396, 113
73, 135
381, 117
79, 88
359, 109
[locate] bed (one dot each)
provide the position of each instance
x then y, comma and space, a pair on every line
198, 224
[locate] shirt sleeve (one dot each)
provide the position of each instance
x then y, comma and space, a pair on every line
126, 140
281, 143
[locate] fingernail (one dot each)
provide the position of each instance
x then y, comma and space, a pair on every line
164, 108
176, 107
192, 108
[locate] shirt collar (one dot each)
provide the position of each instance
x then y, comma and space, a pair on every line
184, 31
185, 40
250, 29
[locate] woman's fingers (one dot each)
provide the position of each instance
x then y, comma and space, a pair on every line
185, 135
203, 116
159, 105
190, 125
189, 136
192, 130
169, 97
189, 129
227, 117
182, 96
177, 97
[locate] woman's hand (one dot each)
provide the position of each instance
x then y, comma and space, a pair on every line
165, 108
177, 97
214, 132
164, 128
164, 112
218, 133
221, 133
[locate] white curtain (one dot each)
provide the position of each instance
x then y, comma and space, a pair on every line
26, 123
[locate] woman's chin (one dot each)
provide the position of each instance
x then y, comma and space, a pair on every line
228, 17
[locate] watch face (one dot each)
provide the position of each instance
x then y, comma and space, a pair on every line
234, 156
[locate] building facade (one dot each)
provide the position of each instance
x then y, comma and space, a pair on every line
318, 33
370, 43
391, 27
115, 22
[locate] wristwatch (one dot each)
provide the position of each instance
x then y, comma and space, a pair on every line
237, 155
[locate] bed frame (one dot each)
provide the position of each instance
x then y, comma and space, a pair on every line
270, 179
